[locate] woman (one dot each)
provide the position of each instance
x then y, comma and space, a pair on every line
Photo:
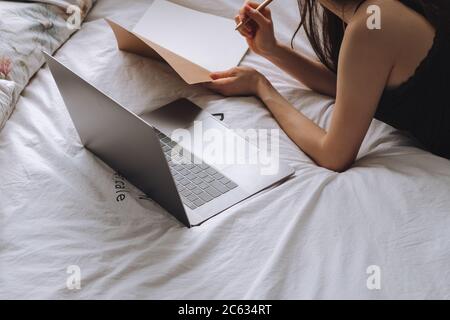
399, 74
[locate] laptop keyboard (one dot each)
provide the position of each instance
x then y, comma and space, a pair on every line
198, 183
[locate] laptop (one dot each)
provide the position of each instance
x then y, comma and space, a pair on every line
142, 150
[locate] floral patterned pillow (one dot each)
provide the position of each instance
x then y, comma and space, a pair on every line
26, 30
6, 96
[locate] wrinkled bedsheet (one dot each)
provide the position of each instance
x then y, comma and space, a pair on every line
312, 237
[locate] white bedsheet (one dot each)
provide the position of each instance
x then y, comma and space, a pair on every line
312, 237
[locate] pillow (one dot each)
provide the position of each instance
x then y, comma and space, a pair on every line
26, 30
6, 94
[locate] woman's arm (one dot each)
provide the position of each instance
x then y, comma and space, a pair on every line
261, 39
312, 74
364, 68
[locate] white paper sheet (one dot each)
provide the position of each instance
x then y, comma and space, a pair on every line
209, 41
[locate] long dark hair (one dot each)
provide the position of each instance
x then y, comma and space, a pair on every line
325, 30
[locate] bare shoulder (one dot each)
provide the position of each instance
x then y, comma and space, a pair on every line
381, 25
390, 33
391, 24
372, 44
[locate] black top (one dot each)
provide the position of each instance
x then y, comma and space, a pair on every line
421, 105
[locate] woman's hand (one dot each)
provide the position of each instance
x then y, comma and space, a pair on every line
240, 81
259, 31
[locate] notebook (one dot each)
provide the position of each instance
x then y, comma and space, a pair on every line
193, 43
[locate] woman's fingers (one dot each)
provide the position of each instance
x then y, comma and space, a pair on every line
235, 82
243, 17
242, 12
256, 16
265, 12
237, 19
221, 86
251, 27
252, 4
219, 83
244, 30
247, 3
223, 74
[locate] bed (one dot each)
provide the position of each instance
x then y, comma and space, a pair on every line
315, 236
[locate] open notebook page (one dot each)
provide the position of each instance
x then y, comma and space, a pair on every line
207, 40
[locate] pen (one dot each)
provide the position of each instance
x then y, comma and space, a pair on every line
262, 6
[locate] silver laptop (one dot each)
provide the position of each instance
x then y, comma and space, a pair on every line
141, 149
